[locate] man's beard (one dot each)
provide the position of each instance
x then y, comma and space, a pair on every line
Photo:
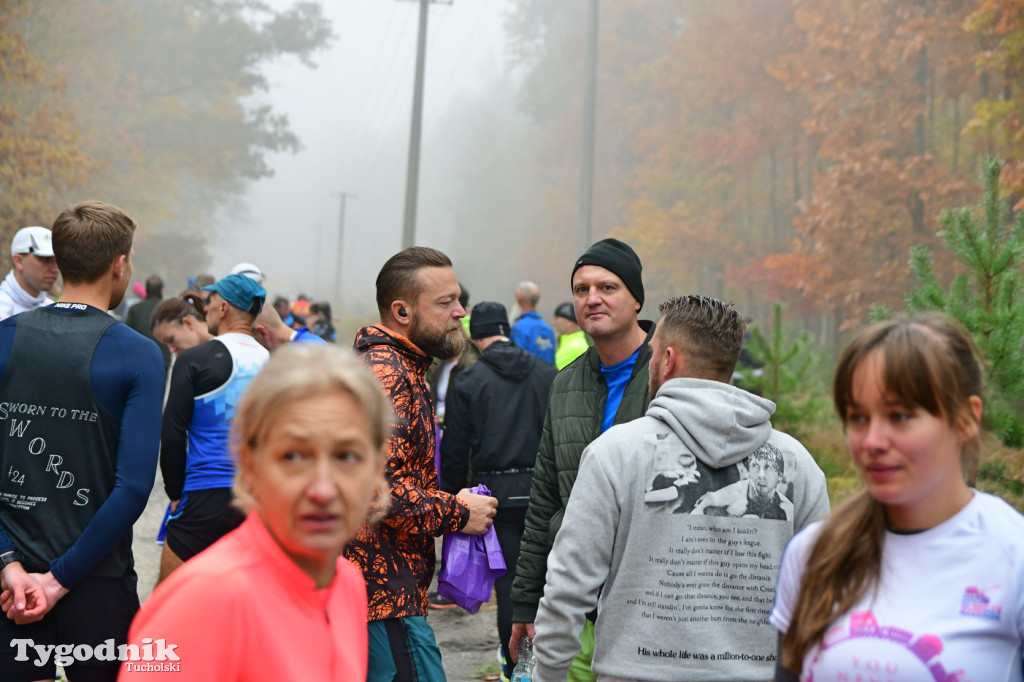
653, 383
444, 345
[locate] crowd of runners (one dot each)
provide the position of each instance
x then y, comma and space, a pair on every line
653, 523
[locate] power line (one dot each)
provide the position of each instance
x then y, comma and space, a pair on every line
373, 78
361, 150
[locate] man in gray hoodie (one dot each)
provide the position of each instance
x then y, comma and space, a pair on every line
678, 520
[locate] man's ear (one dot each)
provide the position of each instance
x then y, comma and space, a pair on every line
16, 259
401, 312
674, 363
118, 267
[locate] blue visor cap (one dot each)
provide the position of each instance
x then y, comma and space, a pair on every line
241, 292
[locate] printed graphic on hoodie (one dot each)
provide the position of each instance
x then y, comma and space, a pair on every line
757, 487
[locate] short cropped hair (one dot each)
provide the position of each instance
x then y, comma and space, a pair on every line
398, 279
709, 333
295, 372
203, 280
88, 237
770, 455
154, 286
529, 292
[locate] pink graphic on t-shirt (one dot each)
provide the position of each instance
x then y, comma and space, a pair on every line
865, 650
978, 604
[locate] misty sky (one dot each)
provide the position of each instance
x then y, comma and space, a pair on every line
352, 115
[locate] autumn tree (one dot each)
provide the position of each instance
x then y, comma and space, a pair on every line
721, 160
786, 150
40, 149
885, 80
160, 98
998, 114
697, 160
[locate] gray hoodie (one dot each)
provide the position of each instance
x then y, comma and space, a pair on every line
674, 531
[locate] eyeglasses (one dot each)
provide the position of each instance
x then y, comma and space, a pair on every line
206, 300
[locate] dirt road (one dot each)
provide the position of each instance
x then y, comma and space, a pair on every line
468, 642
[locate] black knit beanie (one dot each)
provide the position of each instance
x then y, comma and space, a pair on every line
618, 257
488, 319
565, 310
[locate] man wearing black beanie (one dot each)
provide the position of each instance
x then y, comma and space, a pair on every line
606, 386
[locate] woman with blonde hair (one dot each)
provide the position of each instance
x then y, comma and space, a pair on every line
274, 599
918, 577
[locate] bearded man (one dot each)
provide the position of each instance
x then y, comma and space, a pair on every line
420, 313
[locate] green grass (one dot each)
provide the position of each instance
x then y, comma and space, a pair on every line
488, 671
1002, 473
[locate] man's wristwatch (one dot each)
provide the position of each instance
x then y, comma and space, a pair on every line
8, 558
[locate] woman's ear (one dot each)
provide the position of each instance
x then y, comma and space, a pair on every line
976, 407
246, 469
971, 423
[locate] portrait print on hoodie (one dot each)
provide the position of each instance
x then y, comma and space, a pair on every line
756, 487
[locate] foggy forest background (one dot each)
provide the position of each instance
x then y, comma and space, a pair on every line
755, 150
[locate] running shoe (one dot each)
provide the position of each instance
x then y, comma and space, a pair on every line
436, 601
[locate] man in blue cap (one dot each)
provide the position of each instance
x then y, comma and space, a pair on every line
206, 385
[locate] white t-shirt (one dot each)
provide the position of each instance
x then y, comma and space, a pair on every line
949, 606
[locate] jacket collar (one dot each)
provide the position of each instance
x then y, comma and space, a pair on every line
379, 335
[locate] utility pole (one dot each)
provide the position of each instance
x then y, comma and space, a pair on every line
341, 245
586, 193
412, 179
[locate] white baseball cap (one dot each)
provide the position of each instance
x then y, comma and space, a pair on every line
249, 270
35, 239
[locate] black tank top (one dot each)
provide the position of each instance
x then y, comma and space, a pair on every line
58, 446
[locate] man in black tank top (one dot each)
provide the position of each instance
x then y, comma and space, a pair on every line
80, 398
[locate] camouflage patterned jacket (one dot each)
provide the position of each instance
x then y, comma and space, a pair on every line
396, 555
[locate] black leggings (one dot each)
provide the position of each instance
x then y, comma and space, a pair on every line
508, 525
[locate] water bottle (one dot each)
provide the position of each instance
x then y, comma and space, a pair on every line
523, 671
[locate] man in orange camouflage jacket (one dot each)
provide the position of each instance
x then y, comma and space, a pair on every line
418, 301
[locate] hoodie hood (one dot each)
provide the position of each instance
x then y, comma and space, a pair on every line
720, 424
508, 360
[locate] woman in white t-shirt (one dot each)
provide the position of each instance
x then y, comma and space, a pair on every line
919, 577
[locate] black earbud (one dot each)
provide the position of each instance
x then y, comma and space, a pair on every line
402, 313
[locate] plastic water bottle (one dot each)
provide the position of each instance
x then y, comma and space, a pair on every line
523, 671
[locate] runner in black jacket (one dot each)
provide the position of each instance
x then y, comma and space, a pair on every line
493, 419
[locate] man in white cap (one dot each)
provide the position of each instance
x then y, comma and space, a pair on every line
34, 272
249, 270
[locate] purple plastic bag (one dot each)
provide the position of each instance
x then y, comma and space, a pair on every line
471, 564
